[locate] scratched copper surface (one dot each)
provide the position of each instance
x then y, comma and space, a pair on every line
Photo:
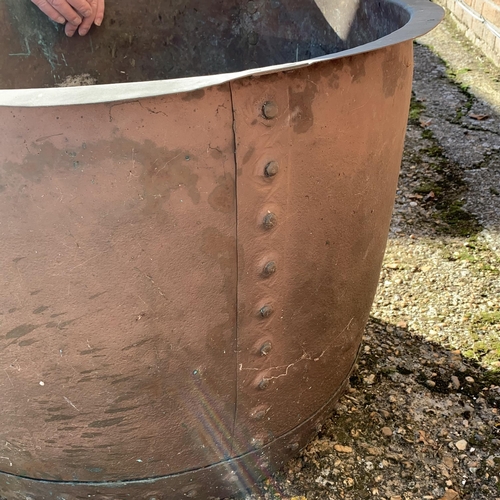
185, 278
118, 287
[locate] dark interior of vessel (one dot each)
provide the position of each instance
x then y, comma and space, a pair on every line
152, 40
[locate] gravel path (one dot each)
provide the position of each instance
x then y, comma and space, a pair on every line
421, 419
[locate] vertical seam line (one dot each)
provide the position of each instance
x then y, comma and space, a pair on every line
237, 270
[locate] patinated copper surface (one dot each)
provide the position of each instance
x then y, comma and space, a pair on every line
185, 278
118, 257
332, 200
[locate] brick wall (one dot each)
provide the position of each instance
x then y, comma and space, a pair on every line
480, 20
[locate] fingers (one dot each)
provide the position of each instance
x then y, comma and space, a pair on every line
70, 29
100, 12
96, 18
83, 7
83, 29
48, 10
62, 7
79, 15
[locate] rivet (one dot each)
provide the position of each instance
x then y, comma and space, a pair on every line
270, 268
270, 220
263, 384
259, 414
270, 110
266, 348
266, 311
272, 169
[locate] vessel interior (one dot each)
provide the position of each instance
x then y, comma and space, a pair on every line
156, 40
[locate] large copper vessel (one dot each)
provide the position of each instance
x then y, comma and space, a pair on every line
194, 205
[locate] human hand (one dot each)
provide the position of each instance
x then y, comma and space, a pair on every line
96, 18
76, 14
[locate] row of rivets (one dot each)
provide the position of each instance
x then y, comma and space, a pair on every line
269, 111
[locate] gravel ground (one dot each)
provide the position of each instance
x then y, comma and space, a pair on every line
421, 418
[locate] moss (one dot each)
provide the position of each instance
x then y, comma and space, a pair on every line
467, 256
489, 318
416, 109
484, 344
434, 151
489, 268
459, 221
464, 109
429, 187
428, 134
449, 188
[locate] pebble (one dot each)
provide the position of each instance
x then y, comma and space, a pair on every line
455, 382
386, 431
450, 495
343, 449
461, 445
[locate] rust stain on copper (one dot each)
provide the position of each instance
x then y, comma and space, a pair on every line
302, 93
222, 197
356, 69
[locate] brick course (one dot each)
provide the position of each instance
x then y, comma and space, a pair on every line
480, 20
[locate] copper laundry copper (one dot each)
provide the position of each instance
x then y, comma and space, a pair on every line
189, 245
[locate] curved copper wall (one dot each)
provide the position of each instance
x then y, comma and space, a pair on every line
186, 277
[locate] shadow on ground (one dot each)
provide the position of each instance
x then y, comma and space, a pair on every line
419, 422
